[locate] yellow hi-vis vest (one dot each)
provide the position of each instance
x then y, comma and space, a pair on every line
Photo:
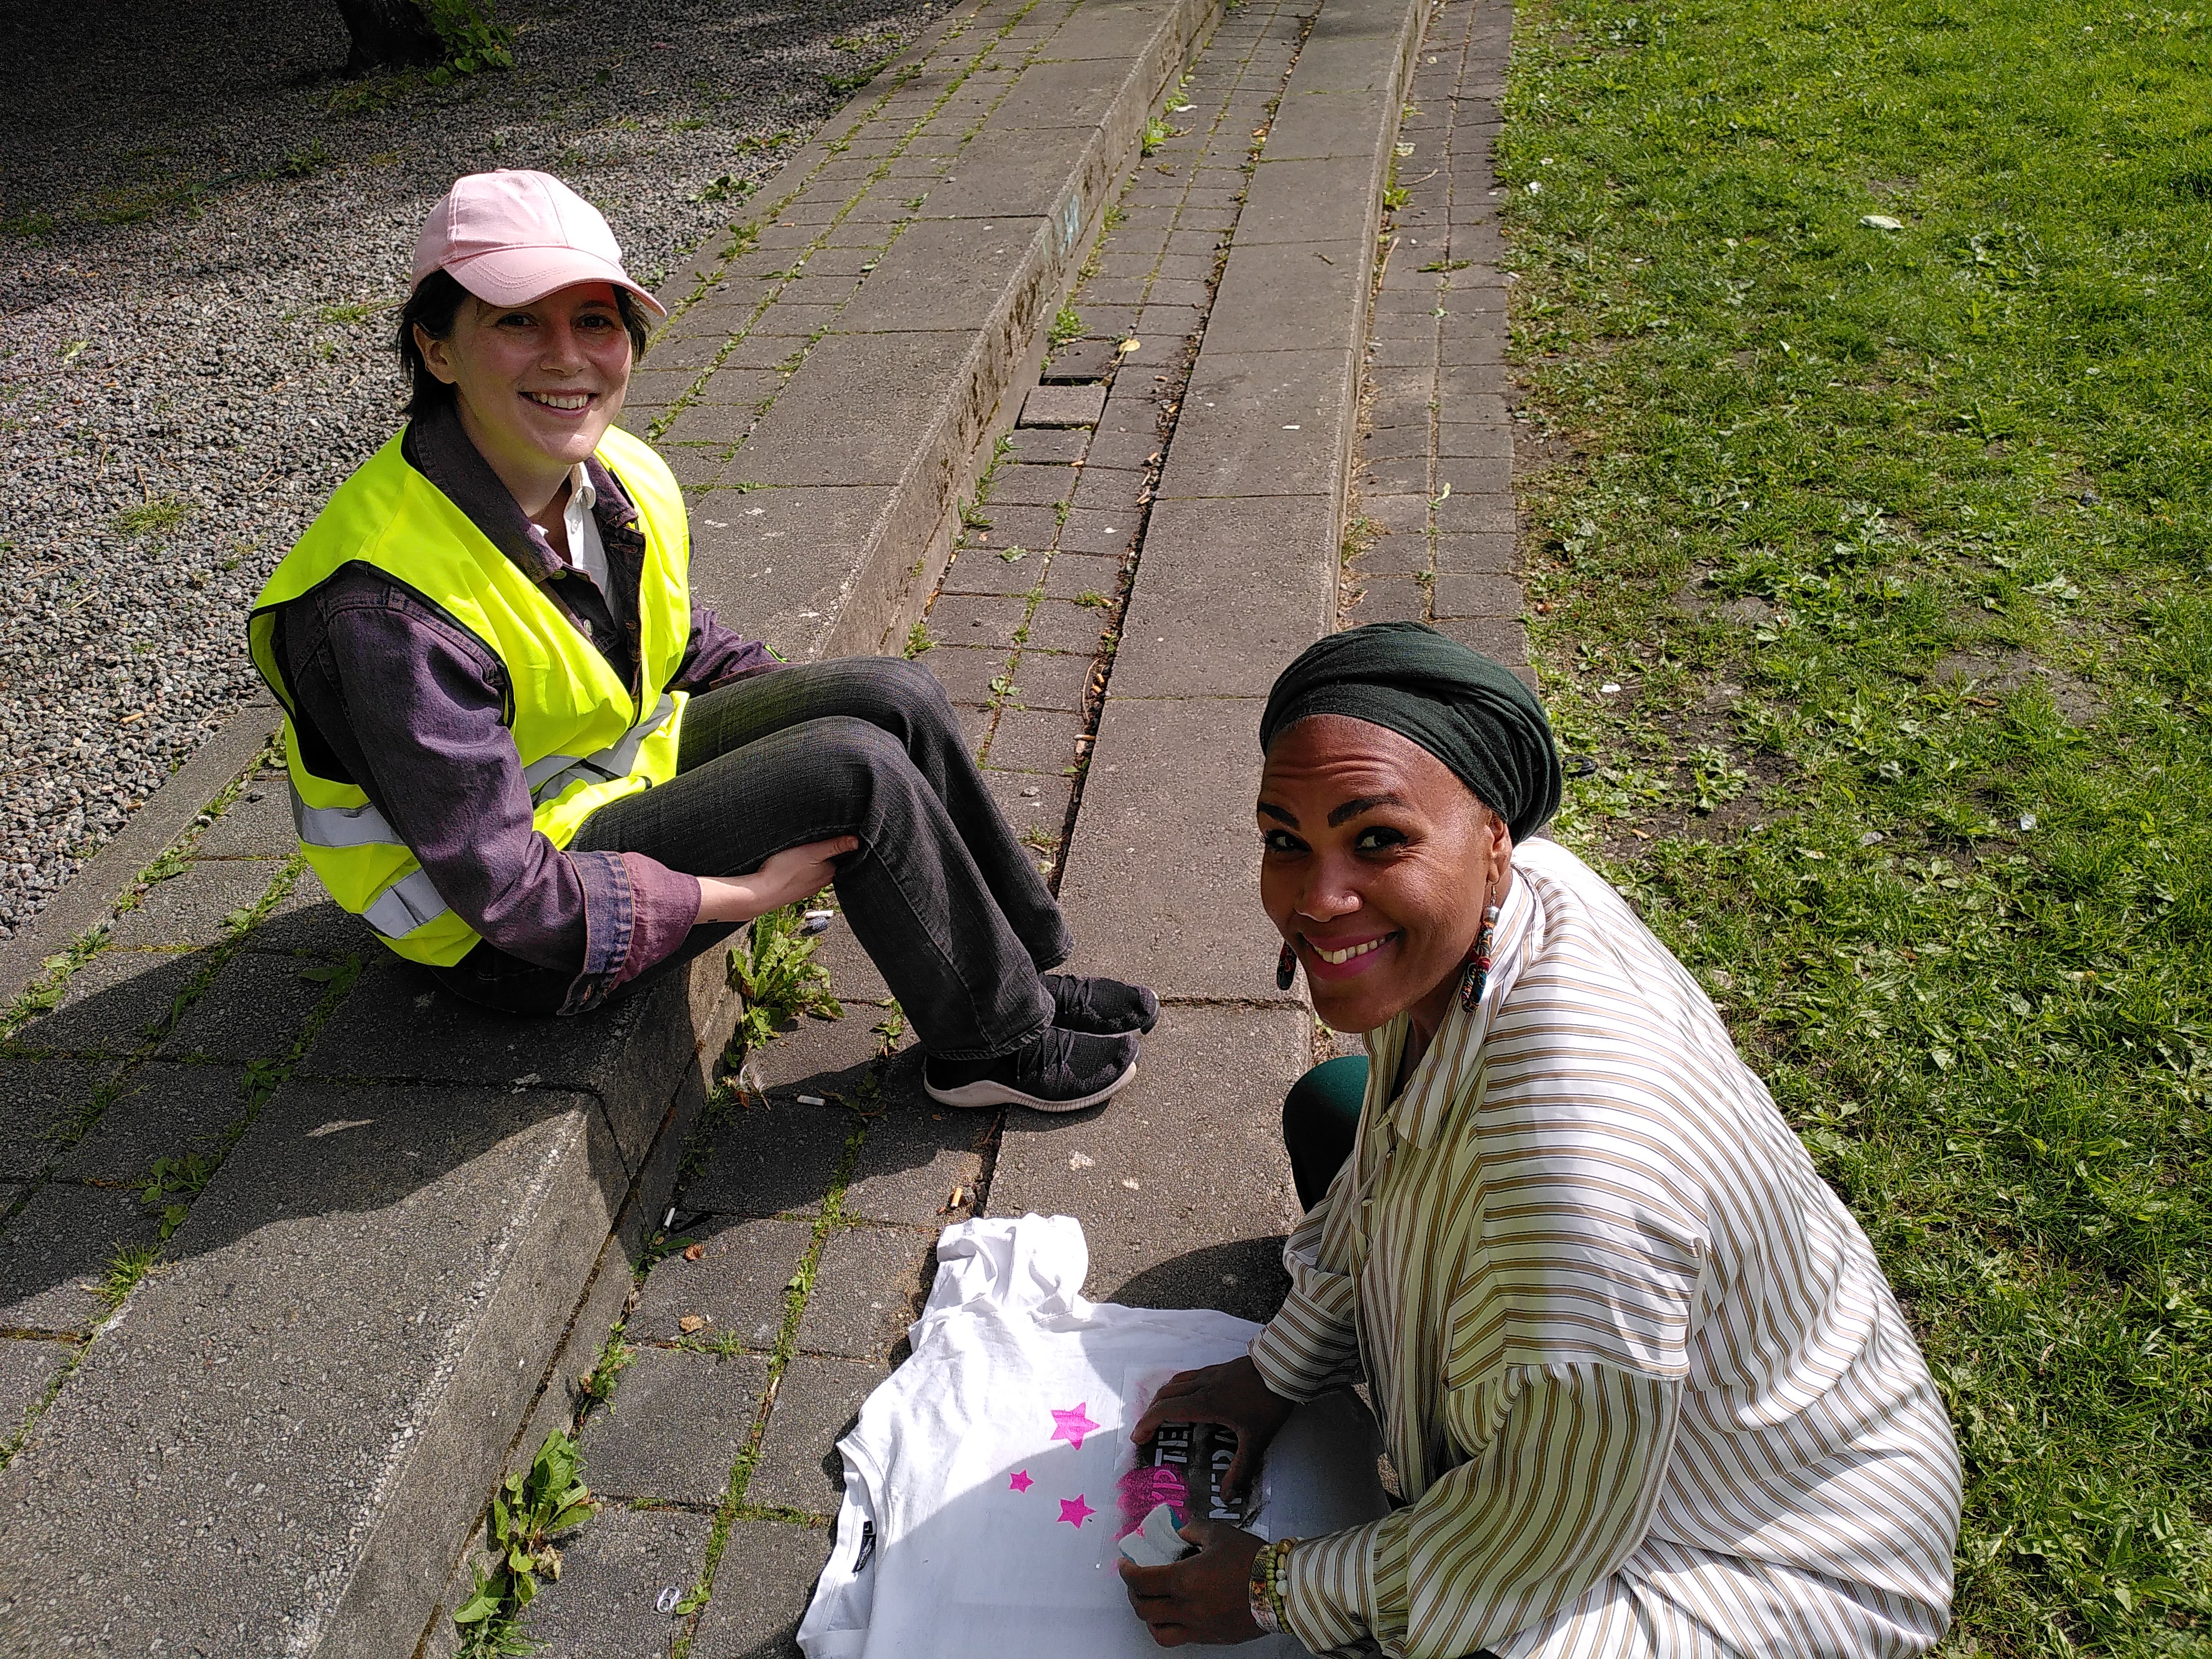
583, 739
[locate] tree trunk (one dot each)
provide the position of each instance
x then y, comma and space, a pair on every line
386, 32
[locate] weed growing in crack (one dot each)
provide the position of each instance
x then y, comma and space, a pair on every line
777, 973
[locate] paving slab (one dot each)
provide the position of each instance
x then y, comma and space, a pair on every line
1034, 804
1230, 590
254, 1009
1490, 553
1058, 680
42, 1100
1169, 797
307, 922
815, 1400
813, 437
1461, 595
605, 1604
867, 1289
675, 1426
190, 909
761, 1591
1182, 1186
163, 1111
953, 274
1031, 486
1063, 405
736, 1286
917, 1154
1263, 422
114, 1002
258, 825
54, 1257
774, 1156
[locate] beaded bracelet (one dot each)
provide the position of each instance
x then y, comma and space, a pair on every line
1264, 1594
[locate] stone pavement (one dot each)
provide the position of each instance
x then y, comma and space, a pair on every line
394, 1264
1431, 522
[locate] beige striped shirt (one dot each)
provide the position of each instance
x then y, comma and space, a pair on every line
1643, 1383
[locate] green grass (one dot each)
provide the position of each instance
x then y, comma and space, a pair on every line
1894, 545
153, 518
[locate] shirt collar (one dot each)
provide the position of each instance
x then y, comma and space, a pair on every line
437, 445
1452, 1065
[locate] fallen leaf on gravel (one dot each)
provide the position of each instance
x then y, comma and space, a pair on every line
691, 1322
694, 1252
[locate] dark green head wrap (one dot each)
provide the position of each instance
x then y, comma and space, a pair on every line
1472, 713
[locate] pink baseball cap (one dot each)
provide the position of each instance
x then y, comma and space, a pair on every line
513, 236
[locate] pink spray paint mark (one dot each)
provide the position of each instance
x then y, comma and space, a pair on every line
1073, 1425
1143, 1490
1075, 1511
1019, 1480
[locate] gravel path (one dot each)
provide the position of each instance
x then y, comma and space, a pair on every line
203, 232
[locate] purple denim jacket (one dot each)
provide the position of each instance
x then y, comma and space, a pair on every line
390, 693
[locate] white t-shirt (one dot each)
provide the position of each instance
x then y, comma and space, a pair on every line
982, 1504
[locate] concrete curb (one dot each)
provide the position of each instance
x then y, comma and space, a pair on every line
91, 895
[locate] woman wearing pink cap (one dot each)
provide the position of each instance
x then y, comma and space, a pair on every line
532, 764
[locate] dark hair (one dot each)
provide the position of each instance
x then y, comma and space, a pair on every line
434, 304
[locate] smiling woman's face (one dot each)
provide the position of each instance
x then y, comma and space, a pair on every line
539, 384
1376, 862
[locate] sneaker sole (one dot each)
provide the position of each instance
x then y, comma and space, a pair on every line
973, 1096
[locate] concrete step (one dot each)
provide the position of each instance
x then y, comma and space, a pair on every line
857, 343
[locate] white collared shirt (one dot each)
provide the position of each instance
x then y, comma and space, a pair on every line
587, 554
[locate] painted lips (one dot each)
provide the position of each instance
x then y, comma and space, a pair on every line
1343, 961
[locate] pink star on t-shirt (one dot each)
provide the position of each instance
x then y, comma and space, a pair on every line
1019, 1480
1074, 1510
1073, 1425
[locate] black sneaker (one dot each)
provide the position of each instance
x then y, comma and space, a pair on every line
1055, 1071
1105, 1007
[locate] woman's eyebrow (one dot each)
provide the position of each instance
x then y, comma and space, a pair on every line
1268, 809
1352, 808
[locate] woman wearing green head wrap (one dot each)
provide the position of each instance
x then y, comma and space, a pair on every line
1644, 1386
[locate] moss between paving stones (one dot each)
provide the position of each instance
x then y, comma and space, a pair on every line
1867, 352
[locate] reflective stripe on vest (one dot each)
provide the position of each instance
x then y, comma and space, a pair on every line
412, 900
547, 778
405, 905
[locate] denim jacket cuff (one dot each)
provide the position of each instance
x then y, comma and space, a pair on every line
610, 928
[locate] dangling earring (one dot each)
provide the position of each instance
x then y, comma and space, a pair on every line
1286, 969
1476, 979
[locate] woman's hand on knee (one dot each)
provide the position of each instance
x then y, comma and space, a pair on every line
795, 873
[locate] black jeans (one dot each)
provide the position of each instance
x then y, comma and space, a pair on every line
940, 895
